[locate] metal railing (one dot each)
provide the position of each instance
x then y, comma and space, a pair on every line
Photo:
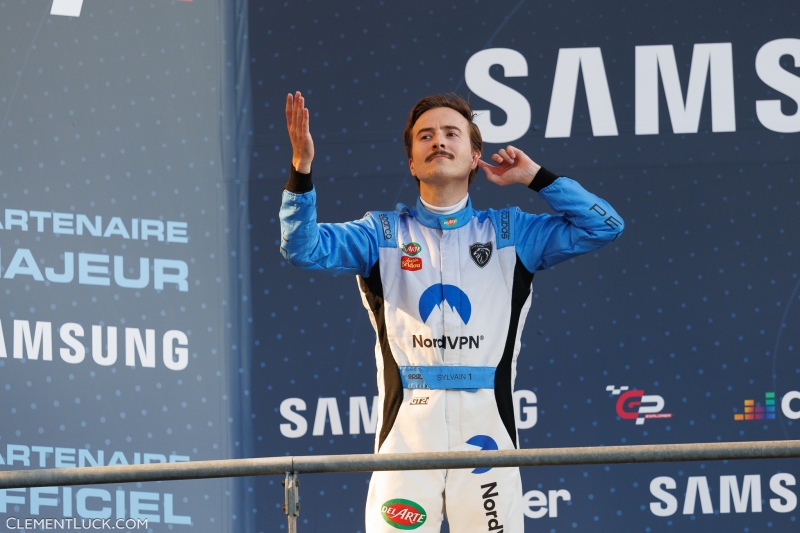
291, 466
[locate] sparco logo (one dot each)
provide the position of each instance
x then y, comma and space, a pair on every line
403, 514
489, 506
386, 226
505, 224
446, 341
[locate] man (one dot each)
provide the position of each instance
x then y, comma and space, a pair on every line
447, 289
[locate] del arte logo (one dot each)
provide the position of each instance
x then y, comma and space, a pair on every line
636, 405
403, 514
412, 248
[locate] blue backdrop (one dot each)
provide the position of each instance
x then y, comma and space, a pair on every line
683, 115
146, 313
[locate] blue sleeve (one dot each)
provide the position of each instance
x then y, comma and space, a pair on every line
582, 223
346, 248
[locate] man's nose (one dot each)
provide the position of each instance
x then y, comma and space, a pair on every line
438, 141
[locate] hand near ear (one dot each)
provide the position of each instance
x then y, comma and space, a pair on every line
513, 166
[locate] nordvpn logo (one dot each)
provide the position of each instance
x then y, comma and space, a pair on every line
435, 295
484, 442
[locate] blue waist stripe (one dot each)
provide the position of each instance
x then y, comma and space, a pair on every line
466, 378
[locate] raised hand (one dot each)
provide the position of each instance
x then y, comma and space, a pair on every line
297, 122
513, 166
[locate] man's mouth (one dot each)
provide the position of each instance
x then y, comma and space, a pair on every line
434, 155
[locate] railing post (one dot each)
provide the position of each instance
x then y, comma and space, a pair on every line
291, 499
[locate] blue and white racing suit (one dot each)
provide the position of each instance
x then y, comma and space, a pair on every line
447, 296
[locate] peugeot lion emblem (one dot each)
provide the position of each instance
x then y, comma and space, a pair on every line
480, 252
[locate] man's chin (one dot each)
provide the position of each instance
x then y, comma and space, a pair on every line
441, 178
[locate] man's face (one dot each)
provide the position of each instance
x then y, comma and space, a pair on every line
440, 147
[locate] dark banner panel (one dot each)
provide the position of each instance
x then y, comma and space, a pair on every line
683, 115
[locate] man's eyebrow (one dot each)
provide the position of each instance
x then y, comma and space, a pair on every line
430, 129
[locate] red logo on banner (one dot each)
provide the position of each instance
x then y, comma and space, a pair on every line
411, 263
636, 405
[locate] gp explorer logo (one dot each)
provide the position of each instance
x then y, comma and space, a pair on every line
437, 294
403, 514
636, 405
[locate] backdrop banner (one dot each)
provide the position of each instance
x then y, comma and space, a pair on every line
147, 315
683, 115
119, 321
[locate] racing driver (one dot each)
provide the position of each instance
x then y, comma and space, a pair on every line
447, 289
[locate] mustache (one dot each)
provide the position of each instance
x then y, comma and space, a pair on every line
437, 154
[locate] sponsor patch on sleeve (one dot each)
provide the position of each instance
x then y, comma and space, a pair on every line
403, 514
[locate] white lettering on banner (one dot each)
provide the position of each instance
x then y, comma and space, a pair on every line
73, 524
35, 456
297, 425
744, 499
57, 223
95, 503
729, 490
31, 343
786, 405
697, 485
360, 412
714, 58
787, 500
327, 408
571, 61
90, 503
67, 8
525, 410
536, 504
769, 70
712, 66
97, 270
327, 412
518, 111
89, 268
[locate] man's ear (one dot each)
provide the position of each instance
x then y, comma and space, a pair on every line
411, 166
475, 156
